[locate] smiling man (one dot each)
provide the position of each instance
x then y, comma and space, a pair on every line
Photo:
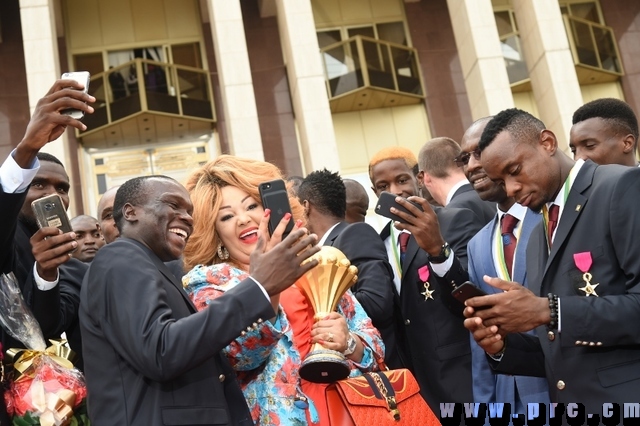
583, 260
150, 358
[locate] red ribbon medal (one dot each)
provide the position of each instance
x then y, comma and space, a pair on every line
424, 274
583, 262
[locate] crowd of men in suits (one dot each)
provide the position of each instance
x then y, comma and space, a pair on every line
551, 241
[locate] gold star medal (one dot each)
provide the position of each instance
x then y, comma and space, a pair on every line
423, 274
583, 262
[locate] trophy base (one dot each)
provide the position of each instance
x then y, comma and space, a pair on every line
324, 366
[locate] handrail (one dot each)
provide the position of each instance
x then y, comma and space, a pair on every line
572, 33
377, 70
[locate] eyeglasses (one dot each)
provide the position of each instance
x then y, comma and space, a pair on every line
463, 159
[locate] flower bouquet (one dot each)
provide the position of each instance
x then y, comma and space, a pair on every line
43, 388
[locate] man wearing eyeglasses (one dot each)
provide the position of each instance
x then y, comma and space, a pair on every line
439, 161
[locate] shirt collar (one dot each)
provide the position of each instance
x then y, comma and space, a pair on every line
454, 188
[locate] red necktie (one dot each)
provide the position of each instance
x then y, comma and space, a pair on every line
403, 241
509, 240
553, 221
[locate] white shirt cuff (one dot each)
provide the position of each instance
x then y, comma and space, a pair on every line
441, 269
261, 288
43, 284
15, 179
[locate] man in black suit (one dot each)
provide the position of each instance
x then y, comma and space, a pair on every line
323, 196
40, 258
444, 179
583, 260
430, 319
151, 358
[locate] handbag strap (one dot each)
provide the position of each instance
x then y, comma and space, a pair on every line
380, 384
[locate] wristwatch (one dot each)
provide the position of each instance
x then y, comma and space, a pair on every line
445, 251
351, 345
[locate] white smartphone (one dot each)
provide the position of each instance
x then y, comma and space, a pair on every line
81, 77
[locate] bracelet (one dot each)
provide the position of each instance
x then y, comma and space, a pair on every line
553, 308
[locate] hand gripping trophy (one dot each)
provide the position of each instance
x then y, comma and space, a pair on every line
323, 287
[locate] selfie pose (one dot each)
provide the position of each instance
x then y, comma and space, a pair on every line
267, 356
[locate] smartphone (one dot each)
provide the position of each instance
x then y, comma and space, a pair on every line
388, 200
50, 211
275, 197
82, 77
467, 290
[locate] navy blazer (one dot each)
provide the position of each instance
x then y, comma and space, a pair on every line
595, 357
488, 386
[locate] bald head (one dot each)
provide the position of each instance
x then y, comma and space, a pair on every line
357, 201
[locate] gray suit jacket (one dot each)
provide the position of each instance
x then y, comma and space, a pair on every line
150, 359
488, 386
596, 355
467, 198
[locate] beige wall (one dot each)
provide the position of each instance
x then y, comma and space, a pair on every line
363, 133
331, 13
91, 24
604, 90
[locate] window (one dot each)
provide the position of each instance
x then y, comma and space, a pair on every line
512, 49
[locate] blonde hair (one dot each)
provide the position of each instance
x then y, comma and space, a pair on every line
393, 153
204, 186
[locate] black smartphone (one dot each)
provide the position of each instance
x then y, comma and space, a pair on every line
50, 211
275, 197
388, 200
467, 290
82, 77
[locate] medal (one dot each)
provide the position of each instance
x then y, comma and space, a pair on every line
583, 262
423, 274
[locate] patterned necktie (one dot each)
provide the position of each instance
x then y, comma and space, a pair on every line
509, 240
554, 210
403, 241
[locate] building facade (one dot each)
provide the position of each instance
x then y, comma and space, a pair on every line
304, 84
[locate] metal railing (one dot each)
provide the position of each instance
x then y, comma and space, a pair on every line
593, 45
143, 85
363, 62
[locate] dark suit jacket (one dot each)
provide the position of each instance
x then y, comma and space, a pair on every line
374, 288
432, 331
488, 386
150, 358
597, 352
467, 198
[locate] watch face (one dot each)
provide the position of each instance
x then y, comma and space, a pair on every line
446, 250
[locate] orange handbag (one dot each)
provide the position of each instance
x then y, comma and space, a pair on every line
380, 398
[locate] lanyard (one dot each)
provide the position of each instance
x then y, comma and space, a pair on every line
396, 253
565, 194
498, 249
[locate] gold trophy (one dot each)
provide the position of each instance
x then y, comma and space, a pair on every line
323, 287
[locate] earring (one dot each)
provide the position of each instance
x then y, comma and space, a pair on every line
223, 253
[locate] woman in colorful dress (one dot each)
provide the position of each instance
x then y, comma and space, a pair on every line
267, 357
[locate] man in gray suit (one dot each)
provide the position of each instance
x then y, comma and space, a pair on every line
582, 265
150, 358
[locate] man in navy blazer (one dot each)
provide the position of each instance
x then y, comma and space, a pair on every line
584, 288
486, 257
150, 357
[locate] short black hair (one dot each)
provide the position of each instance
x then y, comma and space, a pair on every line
132, 192
520, 124
44, 156
618, 114
326, 191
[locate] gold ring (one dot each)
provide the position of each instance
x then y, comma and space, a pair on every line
330, 338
